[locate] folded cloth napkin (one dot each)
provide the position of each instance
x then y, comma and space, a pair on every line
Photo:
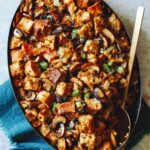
14, 124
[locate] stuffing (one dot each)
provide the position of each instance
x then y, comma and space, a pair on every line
65, 53
17, 70
114, 22
64, 89
66, 20
61, 144
83, 3
32, 68
93, 104
32, 83
82, 17
50, 56
91, 46
16, 55
50, 42
45, 97
95, 9
89, 79
54, 75
99, 23
85, 31
44, 129
66, 107
31, 114
41, 28
71, 6
25, 25
15, 43
87, 141
44, 114
86, 124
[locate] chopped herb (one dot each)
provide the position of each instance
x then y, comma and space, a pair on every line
79, 104
53, 107
83, 55
86, 95
120, 70
106, 68
43, 65
75, 93
110, 63
74, 33
61, 51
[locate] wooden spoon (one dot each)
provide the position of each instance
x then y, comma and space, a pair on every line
124, 125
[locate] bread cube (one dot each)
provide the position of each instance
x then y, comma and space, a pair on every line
32, 83
87, 140
15, 43
45, 97
98, 24
16, 55
83, 3
91, 46
32, 69
17, 70
86, 124
95, 9
25, 25
61, 144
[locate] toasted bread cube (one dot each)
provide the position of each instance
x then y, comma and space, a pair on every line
95, 9
93, 104
32, 83
86, 123
98, 24
83, 3
61, 144
32, 68
71, 6
17, 70
25, 25
85, 30
15, 43
64, 89
50, 41
45, 97
67, 107
82, 17
91, 46
114, 22
87, 140
66, 20
44, 129
16, 55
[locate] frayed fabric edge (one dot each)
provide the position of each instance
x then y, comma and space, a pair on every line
5, 142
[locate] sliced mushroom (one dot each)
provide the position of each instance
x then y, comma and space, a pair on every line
58, 125
98, 93
109, 35
75, 66
57, 120
30, 96
90, 66
113, 138
77, 81
18, 33
105, 41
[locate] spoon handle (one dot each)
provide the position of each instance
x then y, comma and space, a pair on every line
135, 37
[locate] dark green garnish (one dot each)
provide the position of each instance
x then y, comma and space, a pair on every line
43, 65
61, 99
53, 107
86, 95
106, 68
75, 93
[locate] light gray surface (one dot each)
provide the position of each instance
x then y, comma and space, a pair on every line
126, 10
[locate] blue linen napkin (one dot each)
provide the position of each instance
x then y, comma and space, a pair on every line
15, 124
